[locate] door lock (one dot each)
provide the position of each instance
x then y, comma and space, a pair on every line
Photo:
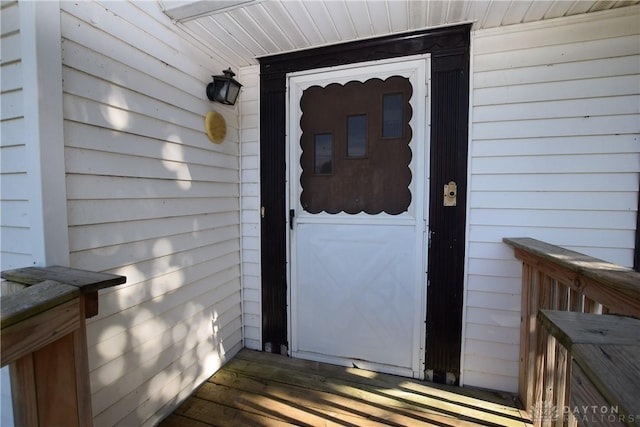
450, 194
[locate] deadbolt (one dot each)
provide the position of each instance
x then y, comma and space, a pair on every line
450, 194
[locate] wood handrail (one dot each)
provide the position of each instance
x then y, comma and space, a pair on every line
555, 278
43, 340
615, 287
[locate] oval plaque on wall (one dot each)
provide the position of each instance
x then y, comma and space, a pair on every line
215, 127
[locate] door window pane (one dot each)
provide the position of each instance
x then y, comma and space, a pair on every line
346, 165
357, 136
323, 143
392, 115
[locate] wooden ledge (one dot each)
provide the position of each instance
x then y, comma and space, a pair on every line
84, 280
34, 300
606, 348
571, 328
87, 283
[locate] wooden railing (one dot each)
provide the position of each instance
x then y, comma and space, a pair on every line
43, 340
554, 278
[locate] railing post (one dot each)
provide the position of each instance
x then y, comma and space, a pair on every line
43, 339
527, 334
559, 279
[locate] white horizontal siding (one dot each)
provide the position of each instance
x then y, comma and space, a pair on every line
250, 151
15, 227
554, 155
151, 198
14, 204
165, 334
33, 195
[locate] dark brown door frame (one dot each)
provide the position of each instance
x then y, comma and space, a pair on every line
449, 49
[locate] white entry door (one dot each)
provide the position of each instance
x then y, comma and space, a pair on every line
358, 144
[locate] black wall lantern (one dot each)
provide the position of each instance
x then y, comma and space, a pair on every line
224, 89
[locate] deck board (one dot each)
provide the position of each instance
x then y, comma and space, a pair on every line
263, 389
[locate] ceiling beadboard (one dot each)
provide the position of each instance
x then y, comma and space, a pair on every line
250, 29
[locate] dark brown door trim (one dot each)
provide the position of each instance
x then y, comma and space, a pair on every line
449, 49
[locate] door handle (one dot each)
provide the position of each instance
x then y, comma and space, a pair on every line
292, 214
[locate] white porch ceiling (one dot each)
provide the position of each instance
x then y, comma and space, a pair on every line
242, 30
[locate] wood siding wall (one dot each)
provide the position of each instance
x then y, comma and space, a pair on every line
149, 197
32, 196
250, 149
15, 226
554, 156
15, 249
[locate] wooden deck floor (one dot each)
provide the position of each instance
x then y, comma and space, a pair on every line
262, 389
